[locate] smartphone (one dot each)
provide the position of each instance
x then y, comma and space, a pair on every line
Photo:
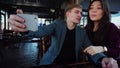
31, 21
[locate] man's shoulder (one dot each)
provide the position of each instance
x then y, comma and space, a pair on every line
81, 28
59, 20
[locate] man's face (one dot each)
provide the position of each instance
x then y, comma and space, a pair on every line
74, 15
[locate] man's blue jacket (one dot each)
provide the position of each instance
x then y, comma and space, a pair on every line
57, 30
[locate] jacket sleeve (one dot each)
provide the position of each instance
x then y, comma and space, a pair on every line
43, 30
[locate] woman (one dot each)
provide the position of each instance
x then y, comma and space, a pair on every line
104, 35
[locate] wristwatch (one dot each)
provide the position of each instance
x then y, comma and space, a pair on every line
105, 49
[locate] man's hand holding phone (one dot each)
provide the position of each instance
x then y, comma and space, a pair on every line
23, 22
30, 21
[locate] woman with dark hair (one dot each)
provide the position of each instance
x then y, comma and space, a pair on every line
104, 35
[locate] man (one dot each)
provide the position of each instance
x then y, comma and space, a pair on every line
68, 39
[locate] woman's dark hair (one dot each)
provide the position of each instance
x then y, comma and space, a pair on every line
103, 23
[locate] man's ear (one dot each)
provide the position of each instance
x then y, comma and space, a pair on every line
67, 13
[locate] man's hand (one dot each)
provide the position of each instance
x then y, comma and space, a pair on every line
109, 63
16, 22
19, 11
92, 50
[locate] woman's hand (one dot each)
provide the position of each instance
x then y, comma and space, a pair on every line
92, 50
109, 63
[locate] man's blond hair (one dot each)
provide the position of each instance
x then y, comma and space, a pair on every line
71, 6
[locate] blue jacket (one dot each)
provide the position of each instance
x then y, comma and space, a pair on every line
58, 31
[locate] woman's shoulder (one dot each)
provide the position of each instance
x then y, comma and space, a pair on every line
113, 28
112, 25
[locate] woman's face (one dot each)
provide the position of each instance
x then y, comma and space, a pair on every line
95, 11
